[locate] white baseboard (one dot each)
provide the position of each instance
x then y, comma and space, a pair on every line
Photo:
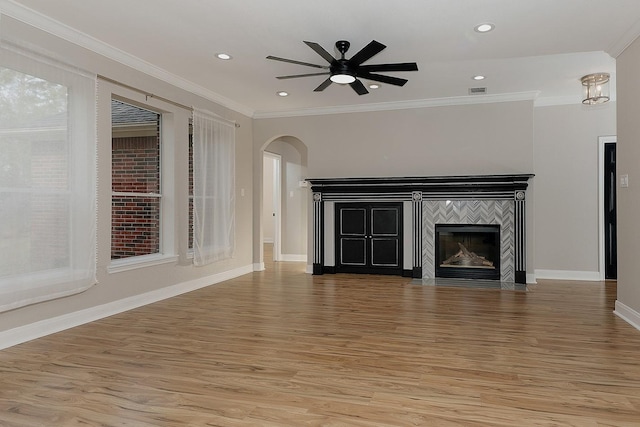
531, 279
258, 266
590, 276
309, 269
45, 327
627, 314
294, 258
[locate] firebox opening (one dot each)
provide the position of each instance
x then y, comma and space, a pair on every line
468, 251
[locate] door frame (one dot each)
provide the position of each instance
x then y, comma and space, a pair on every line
277, 203
602, 140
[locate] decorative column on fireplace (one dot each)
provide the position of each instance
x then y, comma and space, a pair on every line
481, 201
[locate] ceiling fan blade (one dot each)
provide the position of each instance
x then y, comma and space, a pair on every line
325, 84
384, 79
301, 75
321, 51
402, 66
367, 52
292, 61
359, 87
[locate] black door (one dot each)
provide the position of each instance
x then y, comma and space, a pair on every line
610, 222
369, 238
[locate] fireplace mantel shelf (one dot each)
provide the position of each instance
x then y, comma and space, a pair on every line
430, 184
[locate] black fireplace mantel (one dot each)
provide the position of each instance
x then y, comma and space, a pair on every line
444, 185
415, 189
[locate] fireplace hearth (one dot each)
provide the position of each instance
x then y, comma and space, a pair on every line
467, 251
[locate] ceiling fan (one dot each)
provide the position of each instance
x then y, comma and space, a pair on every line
348, 71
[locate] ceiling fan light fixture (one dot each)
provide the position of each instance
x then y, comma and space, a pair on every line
484, 27
345, 71
342, 79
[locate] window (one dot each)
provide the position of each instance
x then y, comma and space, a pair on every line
47, 179
213, 188
135, 181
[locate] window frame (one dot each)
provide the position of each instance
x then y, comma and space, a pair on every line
167, 241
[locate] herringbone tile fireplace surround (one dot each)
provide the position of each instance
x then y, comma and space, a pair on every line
500, 212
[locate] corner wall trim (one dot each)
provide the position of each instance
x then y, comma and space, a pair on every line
627, 314
45, 327
589, 276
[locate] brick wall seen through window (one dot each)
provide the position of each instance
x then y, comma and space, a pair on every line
135, 214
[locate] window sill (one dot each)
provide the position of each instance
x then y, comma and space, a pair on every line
133, 263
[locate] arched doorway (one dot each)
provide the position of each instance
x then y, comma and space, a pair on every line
284, 167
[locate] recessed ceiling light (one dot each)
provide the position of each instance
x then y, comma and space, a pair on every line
223, 56
282, 93
484, 28
374, 86
478, 77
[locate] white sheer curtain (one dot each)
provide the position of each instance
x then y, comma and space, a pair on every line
47, 179
213, 188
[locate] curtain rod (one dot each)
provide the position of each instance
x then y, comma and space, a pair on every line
150, 95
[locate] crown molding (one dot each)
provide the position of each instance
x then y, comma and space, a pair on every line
402, 105
58, 29
551, 101
616, 48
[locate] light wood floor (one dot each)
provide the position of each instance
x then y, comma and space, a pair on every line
283, 348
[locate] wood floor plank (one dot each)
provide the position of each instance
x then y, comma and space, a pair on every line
283, 348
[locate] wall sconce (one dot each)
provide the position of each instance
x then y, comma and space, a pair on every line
595, 88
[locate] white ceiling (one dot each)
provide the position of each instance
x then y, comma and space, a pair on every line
539, 48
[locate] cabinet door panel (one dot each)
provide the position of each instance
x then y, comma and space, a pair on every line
353, 221
384, 253
384, 221
353, 251
369, 238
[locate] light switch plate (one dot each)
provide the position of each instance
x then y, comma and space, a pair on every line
624, 181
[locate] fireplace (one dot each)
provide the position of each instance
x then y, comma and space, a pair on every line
476, 200
468, 251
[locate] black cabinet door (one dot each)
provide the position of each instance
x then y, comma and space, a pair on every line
369, 238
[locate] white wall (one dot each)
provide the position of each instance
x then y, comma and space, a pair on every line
557, 143
134, 287
455, 140
566, 188
628, 163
